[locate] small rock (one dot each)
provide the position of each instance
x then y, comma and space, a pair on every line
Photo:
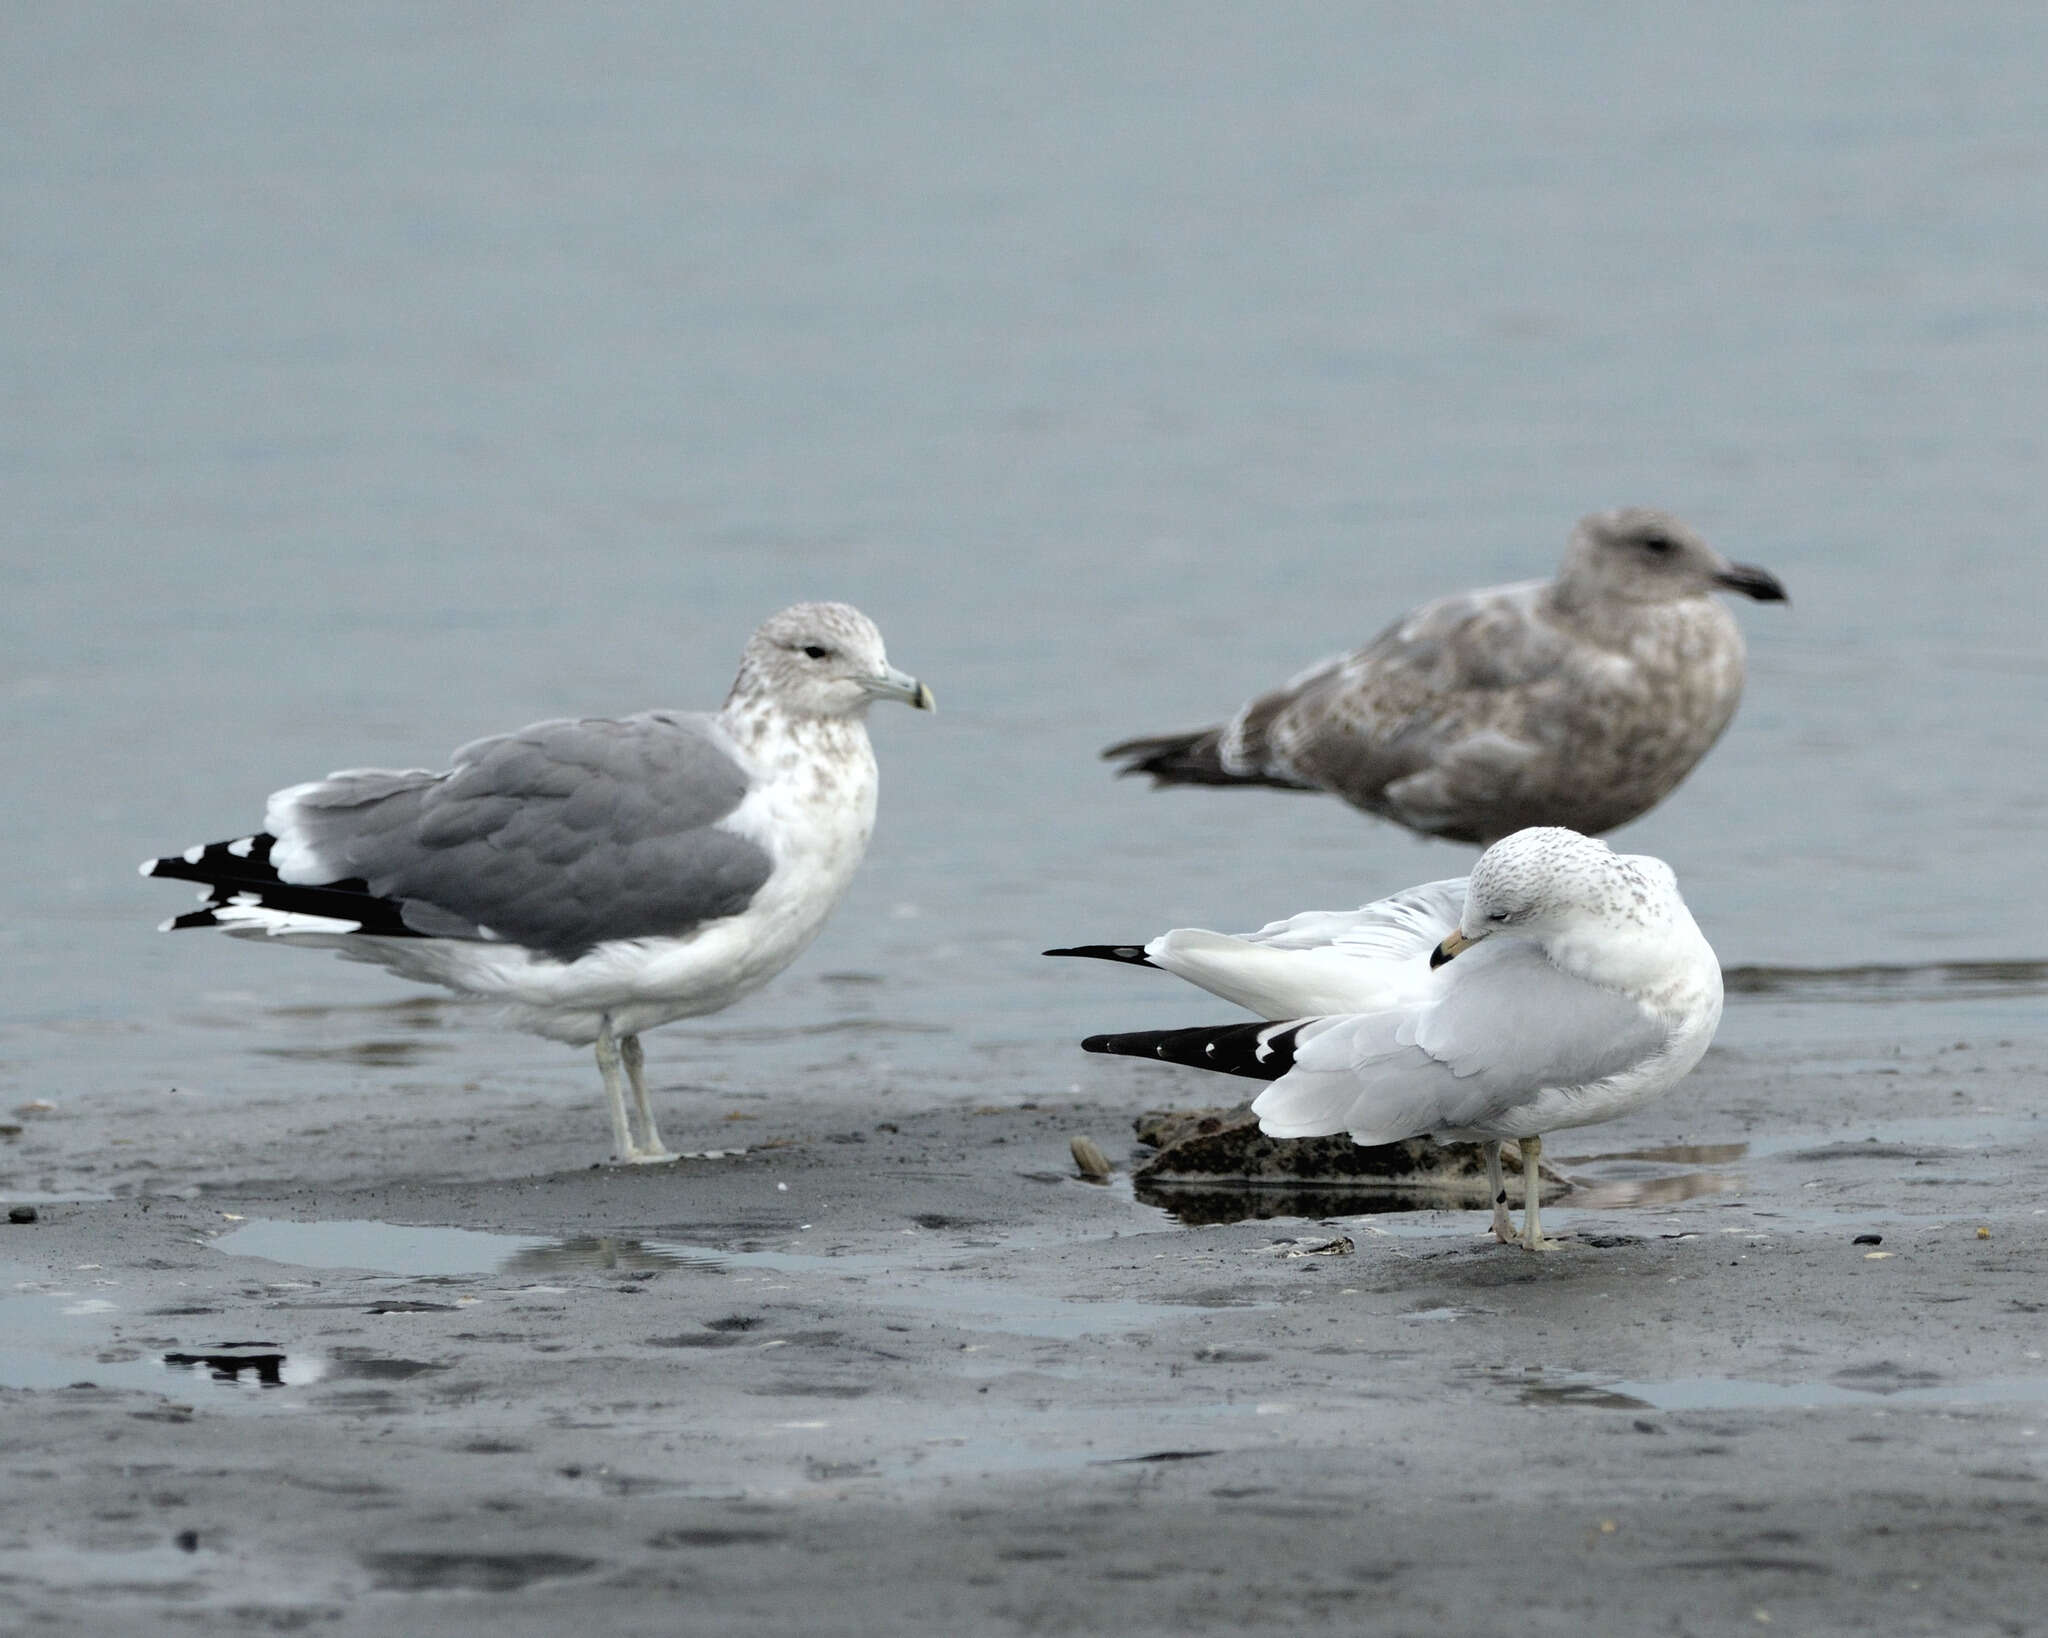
1092, 1163
1868, 1240
1225, 1147
21, 1214
1340, 1246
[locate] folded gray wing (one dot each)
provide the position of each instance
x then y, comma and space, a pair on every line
1506, 1027
557, 837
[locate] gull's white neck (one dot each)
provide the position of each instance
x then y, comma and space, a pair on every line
812, 805
1658, 953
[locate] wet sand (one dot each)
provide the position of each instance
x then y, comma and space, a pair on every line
908, 1373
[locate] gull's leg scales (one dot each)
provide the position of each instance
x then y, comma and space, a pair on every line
614, 1090
1503, 1225
1532, 1184
652, 1149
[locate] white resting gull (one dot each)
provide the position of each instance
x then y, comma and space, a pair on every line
1560, 984
602, 876
1579, 701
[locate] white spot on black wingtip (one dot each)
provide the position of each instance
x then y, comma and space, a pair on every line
243, 848
194, 853
1128, 952
167, 924
1209, 1048
146, 868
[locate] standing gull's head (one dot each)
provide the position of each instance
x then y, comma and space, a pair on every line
1547, 882
822, 660
1639, 555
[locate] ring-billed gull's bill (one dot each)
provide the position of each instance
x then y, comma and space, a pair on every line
1567, 984
1580, 701
599, 877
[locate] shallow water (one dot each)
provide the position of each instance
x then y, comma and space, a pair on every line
906, 1282
58, 1333
381, 379
1737, 1393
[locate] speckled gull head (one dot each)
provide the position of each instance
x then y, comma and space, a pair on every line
1572, 895
1637, 554
822, 660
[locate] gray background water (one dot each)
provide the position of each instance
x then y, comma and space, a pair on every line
378, 376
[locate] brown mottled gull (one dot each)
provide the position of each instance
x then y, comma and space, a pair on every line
1580, 701
598, 877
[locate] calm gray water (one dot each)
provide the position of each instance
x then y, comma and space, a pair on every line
378, 376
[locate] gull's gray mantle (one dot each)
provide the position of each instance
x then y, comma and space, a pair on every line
600, 877
1580, 701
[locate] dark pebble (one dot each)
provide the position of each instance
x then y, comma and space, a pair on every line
21, 1214
188, 1541
1868, 1240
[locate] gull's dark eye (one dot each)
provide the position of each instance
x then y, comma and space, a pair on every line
1659, 545
1496, 915
813, 652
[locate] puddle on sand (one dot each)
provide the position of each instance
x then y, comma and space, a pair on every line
60, 1338
384, 1248
429, 1252
952, 1295
1939, 981
1620, 1178
249, 1364
1956, 1133
1689, 1393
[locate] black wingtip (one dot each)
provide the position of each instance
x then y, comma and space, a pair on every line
1262, 1051
1132, 955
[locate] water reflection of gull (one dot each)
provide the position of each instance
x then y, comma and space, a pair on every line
1655, 1191
601, 1251
1635, 1177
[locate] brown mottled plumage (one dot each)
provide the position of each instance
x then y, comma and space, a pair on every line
1580, 701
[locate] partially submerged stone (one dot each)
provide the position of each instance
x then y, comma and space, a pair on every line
1215, 1165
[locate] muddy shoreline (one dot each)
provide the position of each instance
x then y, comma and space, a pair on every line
913, 1374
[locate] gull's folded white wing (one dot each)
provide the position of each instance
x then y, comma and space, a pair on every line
1503, 1025
1321, 961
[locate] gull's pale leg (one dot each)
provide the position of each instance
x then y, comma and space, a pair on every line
635, 1060
614, 1089
1532, 1185
1497, 1191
